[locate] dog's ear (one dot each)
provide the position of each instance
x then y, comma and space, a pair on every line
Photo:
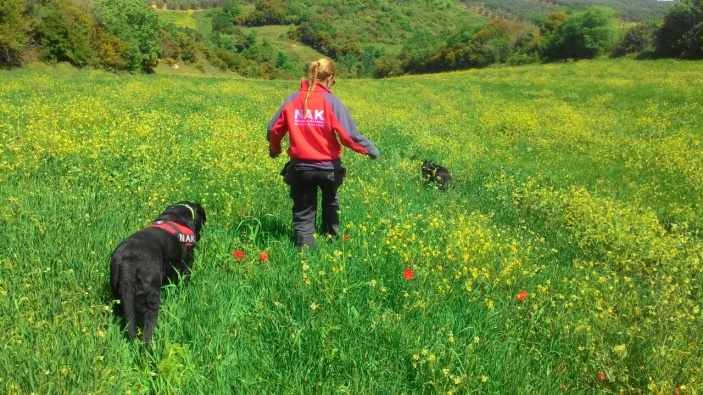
199, 220
200, 212
192, 214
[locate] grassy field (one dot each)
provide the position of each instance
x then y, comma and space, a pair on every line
194, 19
567, 257
277, 35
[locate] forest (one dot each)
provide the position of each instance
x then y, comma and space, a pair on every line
366, 38
187, 4
630, 10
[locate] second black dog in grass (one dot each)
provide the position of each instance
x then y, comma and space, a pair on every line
437, 175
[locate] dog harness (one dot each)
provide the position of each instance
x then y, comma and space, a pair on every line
185, 235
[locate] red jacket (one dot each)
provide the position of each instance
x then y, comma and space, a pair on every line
319, 133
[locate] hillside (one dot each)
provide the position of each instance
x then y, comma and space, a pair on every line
274, 38
383, 23
355, 33
267, 38
629, 10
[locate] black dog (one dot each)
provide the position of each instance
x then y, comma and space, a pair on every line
143, 262
436, 174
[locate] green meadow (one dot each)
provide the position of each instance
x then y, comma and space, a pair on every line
278, 36
197, 20
565, 259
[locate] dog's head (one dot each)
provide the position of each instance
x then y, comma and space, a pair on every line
187, 214
435, 173
428, 168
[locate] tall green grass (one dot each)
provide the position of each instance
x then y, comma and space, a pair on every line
579, 183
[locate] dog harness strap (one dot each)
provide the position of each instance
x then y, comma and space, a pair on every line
189, 208
175, 229
184, 234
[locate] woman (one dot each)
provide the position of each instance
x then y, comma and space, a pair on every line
318, 125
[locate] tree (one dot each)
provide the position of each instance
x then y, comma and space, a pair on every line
318, 33
110, 51
417, 49
223, 21
387, 66
638, 39
14, 32
188, 48
583, 36
63, 30
267, 12
169, 43
233, 8
681, 35
136, 25
496, 42
553, 22
499, 40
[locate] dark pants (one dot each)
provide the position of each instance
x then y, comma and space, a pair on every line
303, 191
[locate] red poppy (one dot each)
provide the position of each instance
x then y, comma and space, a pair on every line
238, 254
264, 256
408, 274
345, 238
677, 391
563, 386
602, 376
521, 296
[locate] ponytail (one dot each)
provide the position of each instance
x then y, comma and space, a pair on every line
312, 78
318, 70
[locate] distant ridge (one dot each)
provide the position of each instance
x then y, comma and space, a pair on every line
632, 10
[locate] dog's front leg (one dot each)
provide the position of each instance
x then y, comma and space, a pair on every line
184, 267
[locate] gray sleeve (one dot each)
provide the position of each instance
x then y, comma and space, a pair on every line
348, 125
278, 114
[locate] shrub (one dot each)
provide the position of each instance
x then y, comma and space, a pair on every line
267, 12
63, 30
110, 51
223, 20
169, 45
229, 58
137, 26
387, 66
638, 39
188, 49
14, 32
681, 35
583, 36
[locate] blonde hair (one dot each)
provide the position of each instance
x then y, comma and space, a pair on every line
318, 70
